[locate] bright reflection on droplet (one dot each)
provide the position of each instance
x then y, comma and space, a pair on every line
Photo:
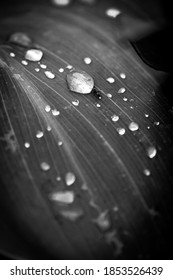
121, 131
61, 70
110, 80
122, 75
151, 152
49, 128
45, 166
20, 39
156, 123
47, 108
37, 69
12, 54
49, 74
43, 66
75, 102
24, 62
69, 67
33, 55
61, 2
80, 82
70, 178
125, 98
27, 145
98, 105
146, 115
55, 112
60, 143
121, 90
147, 172
66, 197
109, 95
112, 12
133, 126
115, 118
87, 60
39, 134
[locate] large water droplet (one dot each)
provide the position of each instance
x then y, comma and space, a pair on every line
112, 12
133, 126
151, 152
45, 166
20, 39
49, 74
39, 134
87, 60
33, 55
72, 215
103, 221
115, 118
121, 131
110, 80
80, 82
66, 197
70, 178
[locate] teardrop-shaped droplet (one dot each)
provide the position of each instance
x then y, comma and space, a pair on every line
80, 82
66, 197
133, 126
70, 178
151, 152
33, 55
20, 39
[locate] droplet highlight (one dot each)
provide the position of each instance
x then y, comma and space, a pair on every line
47, 108
87, 60
110, 80
61, 70
45, 166
75, 102
66, 197
43, 66
39, 134
61, 2
49, 74
121, 90
112, 12
121, 131
70, 178
33, 55
151, 152
80, 82
12, 54
122, 75
133, 126
103, 221
147, 172
27, 145
115, 118
24, 62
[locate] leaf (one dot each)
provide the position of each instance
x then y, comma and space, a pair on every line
122, 206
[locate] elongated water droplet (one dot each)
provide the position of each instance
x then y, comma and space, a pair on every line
123, 75
80, 82
75, 102
61, 2
27, 145
37, 69
20, 39
39, 134
45, 166
133, 126
151, 152
69, 67
103, 221
115, 118
110, 80
66, 197
47, 108
43, 66
61, 70
12, 54
49, 74
72, 215
121, 131
112, 12
121, 90
70, 178
109, 95
33, 55
147, 172
87, 60
24, 62
55, 112
156, 123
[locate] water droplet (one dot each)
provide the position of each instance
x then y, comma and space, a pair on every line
125, 98
75, 102
103, 221
47, 108
131, 107
39, 134
37, 69
110, 80
58, 178
27, 145
121, 90
122, 76
20, 39
151, 152
112, 239
72, 215
12, 54
156, 123
49, 74
49, 128
61, 70
98, 105
121, 131
87, 60
112, 12
66, 197
115, 118
148, 127
109, 95
146, 115
24, 62
61, 2
33, 55
43, 66
147, 172
55, 112
80, 82
45, 166
69, 67
133, 126
70, 178
60, 143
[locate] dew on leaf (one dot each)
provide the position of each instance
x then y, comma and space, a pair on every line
24, 62
146, 115
49, 128
72, 215
20, 39
110, 80
121, 131
33, 55
147, 172
125, 99
70, 178
151, 152
75, 102
45, 166
47, 108
58, 178
69, 67
115, 118
98, 105
27, 145
122, 75
43, 66
112, 12
60, 143
80, 82
55, 112
66, 197
121, 90
37, 69
103, 221
12, 54
39, 134
61, 70
156, 123
109, 95
133, 126
49, 74
87, 60
61, 2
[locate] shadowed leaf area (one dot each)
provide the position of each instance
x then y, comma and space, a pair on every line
82, 177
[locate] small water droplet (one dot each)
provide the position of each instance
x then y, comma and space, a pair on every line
125, 98
75, 102
60, 143
49, 128
65, 197
110, 80
61, 2
33, 55
80, 82
27, 145
43, 66
58, 178
156, 123
112, 12
151, 152
69, 67
61, 70
122, 75
121, 90
49, 74
98, 105
131, 107
121, 131
109, 95
45, 166
24, 62
70, 178
147, 172
55, 112
47, 108
103, 221
12, 54
146, 115
39, 134
20, 39
37, 69
87, 60
133, 126
115, 118
72, 215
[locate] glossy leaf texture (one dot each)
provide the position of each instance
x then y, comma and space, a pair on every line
82, 177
